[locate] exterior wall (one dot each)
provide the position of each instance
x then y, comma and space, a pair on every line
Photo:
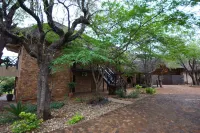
169, 79
177, 79
8, 72
26, 85
26, 82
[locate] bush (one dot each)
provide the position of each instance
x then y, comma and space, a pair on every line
121, 93
150, 90
75, 119
8, 85
28, 122
134, 94
16, 109
31, 108
56, 105
138, 87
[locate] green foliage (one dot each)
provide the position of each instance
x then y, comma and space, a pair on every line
27, 123
75, 119
138, 87
31, 108
16, 109
56, 105
8, 85
121, 93
134, 94
87, 51
71, 85
150, 90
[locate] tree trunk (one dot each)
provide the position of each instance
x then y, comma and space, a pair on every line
196, 78
148, 79
97, 77
44, 93
193, 79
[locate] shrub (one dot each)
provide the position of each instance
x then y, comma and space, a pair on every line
138, 87
150, 90
8, 85
134, 94
28, 122
31, 108
16, 109
121, 93
75, 119
56, 105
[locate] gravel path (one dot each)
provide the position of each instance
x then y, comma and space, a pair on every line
175, 109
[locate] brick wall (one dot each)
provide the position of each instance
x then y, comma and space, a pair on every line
26, 84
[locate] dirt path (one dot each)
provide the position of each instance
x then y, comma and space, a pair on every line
175, 109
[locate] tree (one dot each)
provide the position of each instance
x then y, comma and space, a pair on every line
87, 52
143, 26
42, 49
148, 58
185, 54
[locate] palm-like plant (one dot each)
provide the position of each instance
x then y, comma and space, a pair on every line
16, 109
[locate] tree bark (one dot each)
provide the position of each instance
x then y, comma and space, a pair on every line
196, 77
44, 93
193, 79
97, 78
148, 79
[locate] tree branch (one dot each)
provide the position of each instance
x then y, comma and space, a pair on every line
11, 13
48, 8
69, 35
68, 16
30, 12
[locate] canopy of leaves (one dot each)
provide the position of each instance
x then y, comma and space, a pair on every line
86, 51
